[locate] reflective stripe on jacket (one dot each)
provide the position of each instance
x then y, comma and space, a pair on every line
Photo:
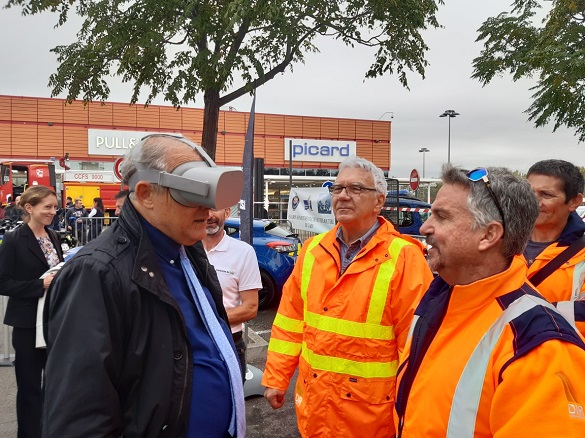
344, 332
565, 287
491, 363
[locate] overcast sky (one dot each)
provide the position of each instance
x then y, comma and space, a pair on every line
492, 129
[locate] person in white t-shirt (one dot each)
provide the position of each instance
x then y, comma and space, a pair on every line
237, 268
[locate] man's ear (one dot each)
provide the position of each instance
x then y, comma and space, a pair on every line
493, 233
143, 194
575, 202
380, 201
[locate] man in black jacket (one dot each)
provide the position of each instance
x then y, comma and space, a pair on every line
130, 350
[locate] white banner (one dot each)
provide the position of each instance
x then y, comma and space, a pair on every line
310, 209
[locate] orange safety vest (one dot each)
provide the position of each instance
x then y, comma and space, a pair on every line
345, 331
565, 287
492, 359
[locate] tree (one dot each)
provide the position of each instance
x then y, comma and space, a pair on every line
178, 48
553, 50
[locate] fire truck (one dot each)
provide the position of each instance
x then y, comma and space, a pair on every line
16, 176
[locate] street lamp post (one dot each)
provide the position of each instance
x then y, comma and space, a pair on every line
450, 114
423, 150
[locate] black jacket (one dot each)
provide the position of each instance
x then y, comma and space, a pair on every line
22, 262
118, 352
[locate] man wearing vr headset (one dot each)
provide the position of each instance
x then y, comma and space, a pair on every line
137, 335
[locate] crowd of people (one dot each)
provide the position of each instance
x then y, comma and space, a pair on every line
477, 334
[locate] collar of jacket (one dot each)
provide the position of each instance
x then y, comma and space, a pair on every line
574, 229
34, 246
382, 235
146, 271
467, 297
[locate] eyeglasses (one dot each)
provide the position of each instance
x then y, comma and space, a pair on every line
482, 174
351, 191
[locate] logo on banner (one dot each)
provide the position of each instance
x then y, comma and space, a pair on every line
295, 202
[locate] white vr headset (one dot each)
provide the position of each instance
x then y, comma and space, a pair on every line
195, 183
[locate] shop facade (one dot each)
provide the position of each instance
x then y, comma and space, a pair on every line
91, 137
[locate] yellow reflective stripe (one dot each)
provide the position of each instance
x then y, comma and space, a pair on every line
382, 284
284, 347
308, 266
349, 328
288, 324
351, 367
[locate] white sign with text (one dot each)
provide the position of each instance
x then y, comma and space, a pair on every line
310, 209
328, 151
114, 142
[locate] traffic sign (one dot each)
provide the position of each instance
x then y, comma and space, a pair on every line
117, 164
327, 184
414, 179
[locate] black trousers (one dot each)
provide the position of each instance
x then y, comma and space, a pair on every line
240, 344
29, 363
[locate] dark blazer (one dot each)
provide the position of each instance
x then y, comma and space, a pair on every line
22, 262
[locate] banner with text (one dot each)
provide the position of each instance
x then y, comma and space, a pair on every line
310, 209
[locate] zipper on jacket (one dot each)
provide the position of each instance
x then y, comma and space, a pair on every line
412, 367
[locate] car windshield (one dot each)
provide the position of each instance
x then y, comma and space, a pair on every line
425, 216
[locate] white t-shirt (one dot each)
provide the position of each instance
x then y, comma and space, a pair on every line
237, 269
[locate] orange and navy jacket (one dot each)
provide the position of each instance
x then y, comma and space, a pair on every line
490, 359
565, 287
344, 332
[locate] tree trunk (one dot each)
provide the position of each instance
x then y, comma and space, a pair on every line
210, 122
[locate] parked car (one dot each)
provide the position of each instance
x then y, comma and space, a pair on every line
412, 212
276, 251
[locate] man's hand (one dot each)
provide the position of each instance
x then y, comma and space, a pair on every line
275, 397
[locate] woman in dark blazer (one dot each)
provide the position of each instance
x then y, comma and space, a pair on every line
25, 255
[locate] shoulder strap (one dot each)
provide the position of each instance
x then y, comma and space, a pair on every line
556, 263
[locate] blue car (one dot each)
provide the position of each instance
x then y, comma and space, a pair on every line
276, 250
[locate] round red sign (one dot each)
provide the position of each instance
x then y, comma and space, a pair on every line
414, 179
117, 164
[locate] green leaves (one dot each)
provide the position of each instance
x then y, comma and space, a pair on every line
179, 48
552, 50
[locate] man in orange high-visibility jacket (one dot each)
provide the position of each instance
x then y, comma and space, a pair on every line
344, 314
487, 355
559, 186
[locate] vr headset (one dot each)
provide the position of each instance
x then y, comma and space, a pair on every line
195, 183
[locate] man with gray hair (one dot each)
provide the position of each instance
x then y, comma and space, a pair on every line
486, 355
345, 312
138, 338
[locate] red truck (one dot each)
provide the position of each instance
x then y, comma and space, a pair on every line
16, 176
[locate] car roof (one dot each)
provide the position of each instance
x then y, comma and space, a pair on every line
411, 202
257, 223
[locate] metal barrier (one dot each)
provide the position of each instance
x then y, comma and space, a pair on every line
85, 229
7, 356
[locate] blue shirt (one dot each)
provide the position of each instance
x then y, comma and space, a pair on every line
348, 252
211, 399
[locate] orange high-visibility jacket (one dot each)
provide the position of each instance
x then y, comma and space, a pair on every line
344, 332
490, 359
565, 287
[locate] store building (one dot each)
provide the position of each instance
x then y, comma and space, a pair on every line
93, 136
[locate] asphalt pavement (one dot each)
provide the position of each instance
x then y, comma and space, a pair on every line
263, 421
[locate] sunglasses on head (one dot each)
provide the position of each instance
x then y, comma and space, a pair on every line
481, 174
